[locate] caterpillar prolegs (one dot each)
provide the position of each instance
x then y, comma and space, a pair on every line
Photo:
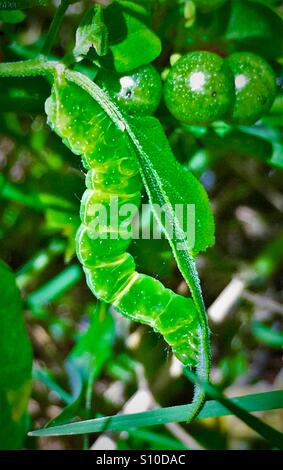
110, 271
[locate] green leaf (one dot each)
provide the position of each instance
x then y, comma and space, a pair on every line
12, 17
257, 27
15, 363
167, 182
131, 41
250, 403
160, 172
267, 135
21, 4
249, 142
267, 335
92, 32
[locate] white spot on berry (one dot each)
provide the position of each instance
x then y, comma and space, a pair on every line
241, 81
127, 82
197, 81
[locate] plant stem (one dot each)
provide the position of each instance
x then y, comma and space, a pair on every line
54, 26
28, 68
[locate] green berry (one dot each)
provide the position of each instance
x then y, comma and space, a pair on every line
199, 88
138, 92
255, 86
208, 5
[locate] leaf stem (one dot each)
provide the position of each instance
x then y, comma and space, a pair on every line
54, 26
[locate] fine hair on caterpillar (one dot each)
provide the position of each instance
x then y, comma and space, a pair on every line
127, 222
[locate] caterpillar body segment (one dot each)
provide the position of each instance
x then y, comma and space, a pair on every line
110, 271
147, 301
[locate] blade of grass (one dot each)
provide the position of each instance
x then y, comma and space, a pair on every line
266, 431
55, 287
257, 402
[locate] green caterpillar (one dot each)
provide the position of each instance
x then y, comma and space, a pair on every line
110, 270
